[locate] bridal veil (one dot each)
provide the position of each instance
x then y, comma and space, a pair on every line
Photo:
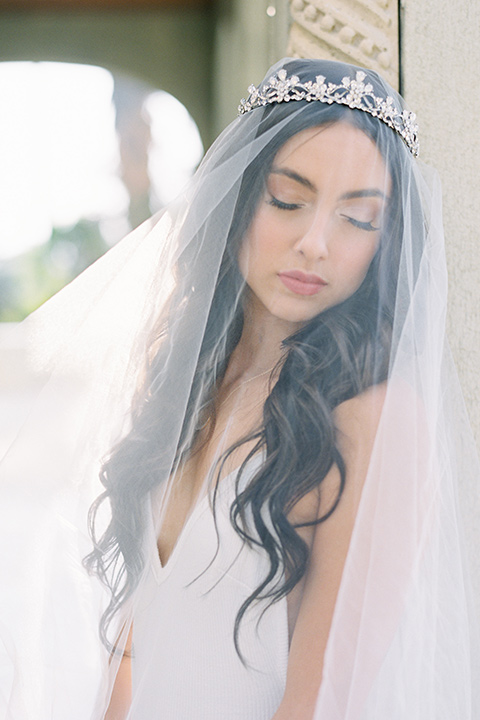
403, 643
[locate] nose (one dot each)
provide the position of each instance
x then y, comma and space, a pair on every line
313, 239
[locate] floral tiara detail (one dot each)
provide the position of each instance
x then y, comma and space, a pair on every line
352, 92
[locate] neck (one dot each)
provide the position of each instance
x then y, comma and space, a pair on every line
260, 346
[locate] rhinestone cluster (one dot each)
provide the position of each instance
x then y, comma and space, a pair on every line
352, 92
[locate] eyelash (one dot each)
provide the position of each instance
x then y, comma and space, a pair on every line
281, 205
368, 226
359, 224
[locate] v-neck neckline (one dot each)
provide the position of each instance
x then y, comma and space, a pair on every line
163, 570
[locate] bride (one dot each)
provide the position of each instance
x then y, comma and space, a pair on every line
263, 371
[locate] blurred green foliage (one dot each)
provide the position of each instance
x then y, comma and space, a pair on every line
27, 280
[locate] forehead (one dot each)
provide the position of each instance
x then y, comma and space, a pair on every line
337, 153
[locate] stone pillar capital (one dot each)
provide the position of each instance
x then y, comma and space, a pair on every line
364, 32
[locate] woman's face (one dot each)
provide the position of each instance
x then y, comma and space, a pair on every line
318, 223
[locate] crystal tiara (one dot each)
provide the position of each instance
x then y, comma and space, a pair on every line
352, 92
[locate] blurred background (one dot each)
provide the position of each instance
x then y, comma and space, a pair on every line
107, 108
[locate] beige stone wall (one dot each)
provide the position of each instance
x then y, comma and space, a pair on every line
441, 63
441, 66
362, 32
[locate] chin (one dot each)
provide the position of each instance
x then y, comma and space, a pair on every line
296, 318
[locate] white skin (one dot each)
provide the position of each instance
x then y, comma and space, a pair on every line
321, 213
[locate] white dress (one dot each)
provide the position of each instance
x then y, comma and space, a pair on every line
185, 666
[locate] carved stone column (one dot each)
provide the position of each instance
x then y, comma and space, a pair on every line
362, 32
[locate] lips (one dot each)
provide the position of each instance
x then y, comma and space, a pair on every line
302, 283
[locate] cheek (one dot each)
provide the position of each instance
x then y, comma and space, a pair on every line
366, 260
360, 261
260, 246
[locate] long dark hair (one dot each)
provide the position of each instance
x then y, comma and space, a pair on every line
333, 357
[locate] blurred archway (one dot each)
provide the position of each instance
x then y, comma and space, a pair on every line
87, 156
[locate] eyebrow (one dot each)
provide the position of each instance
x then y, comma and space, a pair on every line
352, 195
294, 176
368, 192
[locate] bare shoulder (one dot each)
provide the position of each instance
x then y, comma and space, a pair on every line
357, 419
391, 408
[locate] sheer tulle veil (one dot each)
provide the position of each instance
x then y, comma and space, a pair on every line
404, 641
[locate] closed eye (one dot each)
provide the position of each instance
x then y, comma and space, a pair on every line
360, 224
283, 205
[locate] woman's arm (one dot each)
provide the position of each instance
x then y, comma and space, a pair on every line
357, 422
121, 697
